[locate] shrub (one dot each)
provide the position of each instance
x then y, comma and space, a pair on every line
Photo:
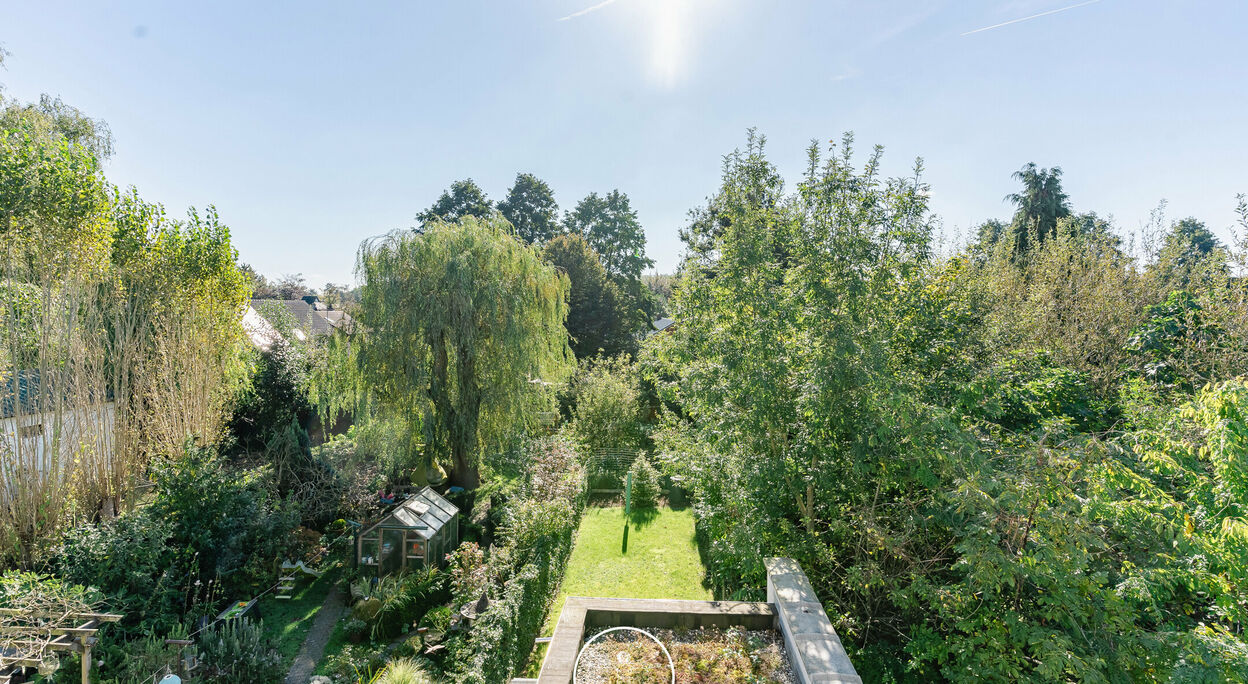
304, 475
502, 636
1075, 294
140, 658
359, 478
607, 414
469, 574
534, 527
356, 663
553, 472
1029, 388
646, 488
410, 646
404, 600
237, 651
132, 560
532, 556
276, 395
366, 609
227, 517
404, 671
438, 620
1175, 347
337, 540
356, 630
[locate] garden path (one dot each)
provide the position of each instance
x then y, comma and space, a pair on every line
314, 645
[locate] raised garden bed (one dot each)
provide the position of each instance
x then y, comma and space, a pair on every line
703, 655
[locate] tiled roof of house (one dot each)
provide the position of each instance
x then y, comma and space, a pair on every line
311, 314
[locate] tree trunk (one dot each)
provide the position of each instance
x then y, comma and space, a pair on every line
443, 414
457, 421
464, 435
464, 472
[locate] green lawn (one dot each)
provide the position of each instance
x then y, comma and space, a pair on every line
661, 561
290, 619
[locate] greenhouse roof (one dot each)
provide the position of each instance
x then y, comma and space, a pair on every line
425, 511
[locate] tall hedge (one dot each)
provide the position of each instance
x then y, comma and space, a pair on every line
539, 537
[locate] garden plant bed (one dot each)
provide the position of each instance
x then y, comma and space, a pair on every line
702, 655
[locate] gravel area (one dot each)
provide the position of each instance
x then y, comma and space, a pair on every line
701, 656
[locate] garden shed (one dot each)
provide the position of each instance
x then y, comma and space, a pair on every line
416, 533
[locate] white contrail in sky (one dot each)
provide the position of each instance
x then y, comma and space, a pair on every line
587, 10
986, 28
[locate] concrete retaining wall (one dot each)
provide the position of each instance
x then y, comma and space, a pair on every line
814, 648
580, 612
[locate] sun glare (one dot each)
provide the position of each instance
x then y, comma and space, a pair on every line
669, 36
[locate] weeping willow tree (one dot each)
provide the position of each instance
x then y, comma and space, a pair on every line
460, 332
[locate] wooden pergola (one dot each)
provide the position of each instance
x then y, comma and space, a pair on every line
35, 639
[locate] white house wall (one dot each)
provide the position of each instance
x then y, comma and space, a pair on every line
62, 443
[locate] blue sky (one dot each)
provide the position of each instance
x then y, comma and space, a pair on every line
312, 126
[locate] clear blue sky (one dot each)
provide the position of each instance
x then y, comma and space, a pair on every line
314, 125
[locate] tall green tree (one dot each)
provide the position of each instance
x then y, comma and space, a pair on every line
1186, 248
462, 329
52, 118
531, 208
609, 224
781, 354
53, 205
599, 316
751, 172
1039, 205
1192, 238
463, 198
127, 304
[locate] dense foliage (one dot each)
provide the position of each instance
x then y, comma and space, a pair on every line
531, 209
123, 317
994, 465
1024, 460
463, 198
606, 406
528, 567
239, 652
210, 533
601, 319
463, 324
276, 395
600, 244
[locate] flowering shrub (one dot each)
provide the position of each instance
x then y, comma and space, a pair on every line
469, 573
554, 473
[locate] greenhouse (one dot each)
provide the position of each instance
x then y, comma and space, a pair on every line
415, 534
